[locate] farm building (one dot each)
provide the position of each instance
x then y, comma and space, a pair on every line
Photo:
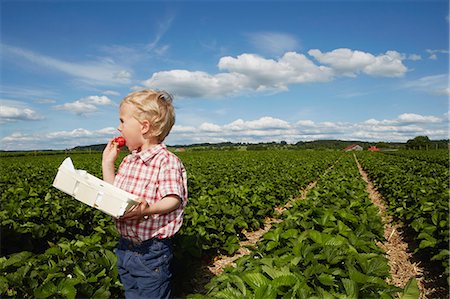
373, 149
353, 147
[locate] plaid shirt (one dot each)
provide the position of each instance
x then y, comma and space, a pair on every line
152, 174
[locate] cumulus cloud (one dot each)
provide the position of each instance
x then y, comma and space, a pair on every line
85, 105
185, 83
349, 62
12, 111
254, 73
246, 72
100, 72
265, 129
264, 123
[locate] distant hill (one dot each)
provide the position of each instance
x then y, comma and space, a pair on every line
316, 144
94, 147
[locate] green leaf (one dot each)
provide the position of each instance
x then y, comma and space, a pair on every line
284, 280
351, 288
289, 234
66, 288
239, 283
229, 294
265, 292
14, 259
255, 280
3, 284
411, 290
46, 290
78, 272
326, 279
442, 255
101, 293
316, 236
271, 245
272, 272
427, 243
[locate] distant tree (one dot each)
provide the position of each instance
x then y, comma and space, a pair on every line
419, 142
382, 145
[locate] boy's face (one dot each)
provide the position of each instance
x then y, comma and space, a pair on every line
130, 127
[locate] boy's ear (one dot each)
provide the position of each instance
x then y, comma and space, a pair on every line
145, 127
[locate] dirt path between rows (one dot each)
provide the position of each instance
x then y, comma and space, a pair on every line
216, 267
396, 249
220, 262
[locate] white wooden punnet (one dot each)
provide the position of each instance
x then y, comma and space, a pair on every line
92, 190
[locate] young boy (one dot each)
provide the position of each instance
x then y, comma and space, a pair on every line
159, 179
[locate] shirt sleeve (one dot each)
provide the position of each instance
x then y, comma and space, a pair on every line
171, 180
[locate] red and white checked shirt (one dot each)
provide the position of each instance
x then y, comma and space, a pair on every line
152, 174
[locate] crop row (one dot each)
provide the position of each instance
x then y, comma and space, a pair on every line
324, 248
432, 156
417, 194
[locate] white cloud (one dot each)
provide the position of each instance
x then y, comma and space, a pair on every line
208, 127
433, 53
98, 72
275, 43
436, 84
416, 118
349, 62
414, 57
254, 73
12, 111
85, 105
247, 72
183, 83
265, 129
264, 123
111, 93
277, 74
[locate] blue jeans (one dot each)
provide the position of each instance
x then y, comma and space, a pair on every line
144, 269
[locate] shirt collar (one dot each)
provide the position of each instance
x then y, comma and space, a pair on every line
149, 153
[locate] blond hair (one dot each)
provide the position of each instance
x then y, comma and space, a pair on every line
156, 107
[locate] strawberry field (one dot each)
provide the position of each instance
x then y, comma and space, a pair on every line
54, 246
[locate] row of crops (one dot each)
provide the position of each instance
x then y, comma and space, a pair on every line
55, 246
415, 186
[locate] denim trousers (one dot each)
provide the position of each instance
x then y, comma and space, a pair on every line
144, 269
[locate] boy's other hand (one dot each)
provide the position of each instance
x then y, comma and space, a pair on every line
137, 212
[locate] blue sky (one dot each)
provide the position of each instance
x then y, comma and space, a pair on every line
240, 71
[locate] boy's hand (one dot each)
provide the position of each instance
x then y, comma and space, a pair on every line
111, 152
137, 212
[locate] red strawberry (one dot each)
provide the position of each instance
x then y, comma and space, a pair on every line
120, 141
